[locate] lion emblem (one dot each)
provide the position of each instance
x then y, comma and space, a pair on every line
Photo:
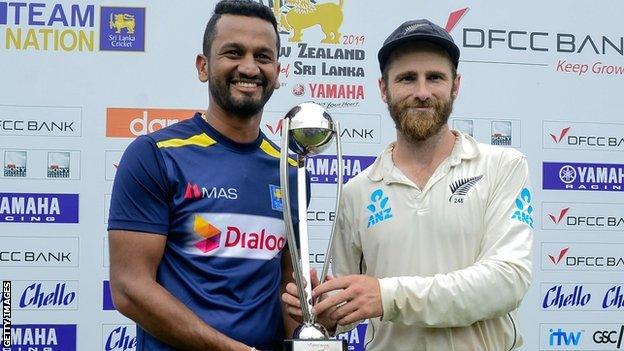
303, 14
122, 21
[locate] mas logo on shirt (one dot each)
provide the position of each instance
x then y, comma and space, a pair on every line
276, 197
193, 191
236, 235
524, 208
379, 208
460, 188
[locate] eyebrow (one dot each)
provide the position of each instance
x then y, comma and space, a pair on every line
237, 46
430, 72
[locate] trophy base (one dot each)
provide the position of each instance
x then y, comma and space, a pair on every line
315, 345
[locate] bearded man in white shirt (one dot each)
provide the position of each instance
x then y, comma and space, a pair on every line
434, 239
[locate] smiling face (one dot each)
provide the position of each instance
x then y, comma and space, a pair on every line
419, 88
242, 67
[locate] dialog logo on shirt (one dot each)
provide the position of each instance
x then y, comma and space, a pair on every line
524, 208
210, 233
460, 188
237, 235
379, 208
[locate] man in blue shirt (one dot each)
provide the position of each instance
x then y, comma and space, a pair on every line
197, 239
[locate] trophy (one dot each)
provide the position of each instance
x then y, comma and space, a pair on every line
307, 130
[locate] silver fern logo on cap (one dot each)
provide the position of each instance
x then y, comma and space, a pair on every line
413, 27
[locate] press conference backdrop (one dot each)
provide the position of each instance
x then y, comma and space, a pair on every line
81, 80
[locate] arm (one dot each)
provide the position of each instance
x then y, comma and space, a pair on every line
501, 273
494, 285
134, 259
290, 324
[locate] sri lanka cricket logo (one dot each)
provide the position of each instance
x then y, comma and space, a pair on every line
122, 21
293, 16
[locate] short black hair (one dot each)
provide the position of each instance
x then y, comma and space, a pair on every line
247, 8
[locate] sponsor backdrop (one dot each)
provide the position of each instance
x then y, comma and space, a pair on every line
82, 79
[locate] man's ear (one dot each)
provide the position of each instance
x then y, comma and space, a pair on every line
456, 83
383, 89
201, 63
277, 81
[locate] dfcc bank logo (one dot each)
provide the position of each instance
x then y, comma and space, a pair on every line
455, 17
521, 41
133, 122
277, 128
561, 135
560, 216
560, 256
583, 135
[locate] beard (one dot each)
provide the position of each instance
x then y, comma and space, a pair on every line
246, 106
415, 125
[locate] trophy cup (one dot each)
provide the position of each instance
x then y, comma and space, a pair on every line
307, 130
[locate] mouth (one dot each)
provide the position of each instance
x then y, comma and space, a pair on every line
420, 108
247, 86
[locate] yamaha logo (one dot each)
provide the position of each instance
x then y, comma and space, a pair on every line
567, 174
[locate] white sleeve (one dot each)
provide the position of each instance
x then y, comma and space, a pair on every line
346, 252
495, 284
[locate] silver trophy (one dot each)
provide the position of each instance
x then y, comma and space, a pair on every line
307, 130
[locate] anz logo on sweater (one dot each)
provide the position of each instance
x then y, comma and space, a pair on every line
524, 207
379, 208
460, 188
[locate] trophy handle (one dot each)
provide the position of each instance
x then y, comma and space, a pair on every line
339, 183
288, 220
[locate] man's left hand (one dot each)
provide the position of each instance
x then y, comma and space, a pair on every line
359, 299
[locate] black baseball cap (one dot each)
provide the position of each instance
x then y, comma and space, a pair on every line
418, 30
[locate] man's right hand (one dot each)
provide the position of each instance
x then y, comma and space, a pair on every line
293, 306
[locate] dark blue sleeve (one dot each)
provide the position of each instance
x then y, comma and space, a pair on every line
140, 198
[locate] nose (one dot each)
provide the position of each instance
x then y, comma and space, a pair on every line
421, 91
248, 66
